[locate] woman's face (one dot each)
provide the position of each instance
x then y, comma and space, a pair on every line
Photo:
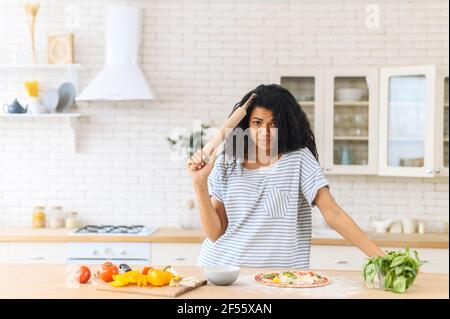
263, 130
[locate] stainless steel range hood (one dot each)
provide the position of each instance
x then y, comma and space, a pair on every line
121, 78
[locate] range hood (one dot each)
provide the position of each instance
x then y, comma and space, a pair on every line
121, 78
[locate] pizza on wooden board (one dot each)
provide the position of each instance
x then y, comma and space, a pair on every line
292, 279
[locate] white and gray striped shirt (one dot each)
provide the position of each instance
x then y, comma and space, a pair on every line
268, 210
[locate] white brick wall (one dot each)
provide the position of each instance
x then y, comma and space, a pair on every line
200, 57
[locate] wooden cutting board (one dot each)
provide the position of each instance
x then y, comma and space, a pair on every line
165, 291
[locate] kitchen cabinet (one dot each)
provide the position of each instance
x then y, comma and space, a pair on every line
336, 257
351, 99
391, 121
50, 253
411, 129
434, 260
175, 254
443, 121
351, 258
306, 84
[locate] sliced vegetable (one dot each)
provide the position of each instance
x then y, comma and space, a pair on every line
160, 277
145, 270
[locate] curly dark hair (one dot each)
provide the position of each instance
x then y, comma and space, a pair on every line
294, 129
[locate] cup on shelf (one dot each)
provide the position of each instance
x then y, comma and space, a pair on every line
409, 225
35, 107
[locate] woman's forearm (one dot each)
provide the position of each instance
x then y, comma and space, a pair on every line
344, 225
208, 216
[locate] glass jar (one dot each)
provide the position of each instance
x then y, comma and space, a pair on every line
56, 217
72, 220
38, 218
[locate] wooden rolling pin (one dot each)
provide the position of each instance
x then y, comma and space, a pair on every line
229, 124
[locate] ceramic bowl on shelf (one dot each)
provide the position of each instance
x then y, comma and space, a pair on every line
221, 275
350, 94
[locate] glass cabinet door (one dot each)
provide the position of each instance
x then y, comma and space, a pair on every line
407, 126
303, 89
351, 121
406, 121
306, 85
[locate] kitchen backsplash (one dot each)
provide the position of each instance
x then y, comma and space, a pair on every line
200, 57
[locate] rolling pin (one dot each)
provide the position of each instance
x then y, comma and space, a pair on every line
222, 133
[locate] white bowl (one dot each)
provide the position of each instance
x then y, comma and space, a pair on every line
221, 275
350, 94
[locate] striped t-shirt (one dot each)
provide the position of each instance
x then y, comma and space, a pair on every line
268, 210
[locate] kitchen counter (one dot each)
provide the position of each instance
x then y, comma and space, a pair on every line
49, 281
178, 235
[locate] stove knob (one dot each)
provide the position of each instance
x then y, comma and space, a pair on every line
123, 252
108, 251
95, 252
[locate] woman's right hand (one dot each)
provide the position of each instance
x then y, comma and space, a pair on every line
198, 168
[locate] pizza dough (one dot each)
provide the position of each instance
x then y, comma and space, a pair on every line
292, 279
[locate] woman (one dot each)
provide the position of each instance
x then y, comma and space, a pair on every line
255, 205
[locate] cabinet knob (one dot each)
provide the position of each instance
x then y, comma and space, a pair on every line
429, 171
437, 170
95, 252
108, 251
123, 252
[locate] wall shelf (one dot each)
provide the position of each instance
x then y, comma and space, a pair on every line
351, 138
72, 119
72, 70
351, 103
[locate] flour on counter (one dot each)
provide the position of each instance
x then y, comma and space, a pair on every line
340, 287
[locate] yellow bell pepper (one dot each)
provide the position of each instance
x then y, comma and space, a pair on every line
117, 283
159, 278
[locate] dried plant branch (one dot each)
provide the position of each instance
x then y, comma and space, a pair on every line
31, 11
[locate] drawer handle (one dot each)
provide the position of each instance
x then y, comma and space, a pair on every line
178, 258
37, 258
341, 262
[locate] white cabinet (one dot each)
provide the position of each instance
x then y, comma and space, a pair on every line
37, 253
351, 258
409, 122
307, 85
391, 121
175, 254
442, 121
3, 252
336, 257
434, 260
351, 121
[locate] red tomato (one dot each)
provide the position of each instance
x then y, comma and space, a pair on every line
107, 271
84, 274
146, 270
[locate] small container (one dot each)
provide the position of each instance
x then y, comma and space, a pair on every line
38, 217
409, 226
421, 228
72, 220
57, 217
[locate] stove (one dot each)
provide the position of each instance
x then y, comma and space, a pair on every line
110, 230
123, 251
